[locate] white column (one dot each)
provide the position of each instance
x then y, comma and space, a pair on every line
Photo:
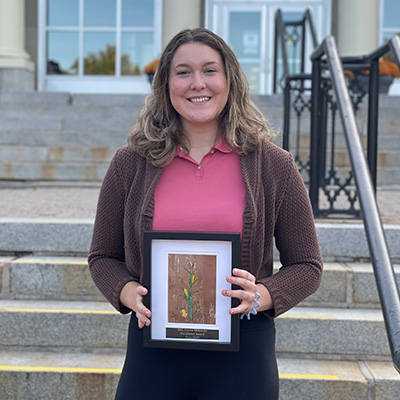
178, 15
357, 26
12, 35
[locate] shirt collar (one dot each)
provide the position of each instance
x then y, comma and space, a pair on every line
221, 146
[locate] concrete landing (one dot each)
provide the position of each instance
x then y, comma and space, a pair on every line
71, 200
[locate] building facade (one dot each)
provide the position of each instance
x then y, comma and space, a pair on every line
103, 46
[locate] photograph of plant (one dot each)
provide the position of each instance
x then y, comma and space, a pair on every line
191, 288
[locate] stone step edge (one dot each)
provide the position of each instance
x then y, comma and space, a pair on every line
297, 330
73, 236
340, 288
112, 363
360, 376
103, 307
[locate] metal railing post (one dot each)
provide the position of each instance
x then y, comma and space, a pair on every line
286, 116
373, 108
315, 127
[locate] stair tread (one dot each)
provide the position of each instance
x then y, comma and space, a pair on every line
44, 306
298, 312
289, 368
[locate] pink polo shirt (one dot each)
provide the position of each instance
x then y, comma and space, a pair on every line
208, 197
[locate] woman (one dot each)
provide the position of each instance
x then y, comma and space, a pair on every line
201, 159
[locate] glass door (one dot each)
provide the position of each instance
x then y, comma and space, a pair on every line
249, 28
243, 28
245, 38
97, 45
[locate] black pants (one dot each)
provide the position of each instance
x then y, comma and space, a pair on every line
167, 374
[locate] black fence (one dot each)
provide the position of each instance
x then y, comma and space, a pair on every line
321, 153
324, 95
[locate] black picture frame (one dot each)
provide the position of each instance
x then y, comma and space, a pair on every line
179, 271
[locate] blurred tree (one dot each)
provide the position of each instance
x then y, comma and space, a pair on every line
103, 63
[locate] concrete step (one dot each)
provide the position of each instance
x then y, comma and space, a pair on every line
348, 285
388, 143
74, 376
344, 285
70, 99
108, 100
302, 332
386, 176
54, 138
42, 111
64, 124
53, 171
28, 376
60, 325
56, 154
42, 153
386, 157
320, 332
73, 237
86, 169
52, 278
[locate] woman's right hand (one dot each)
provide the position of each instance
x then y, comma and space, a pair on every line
132, 297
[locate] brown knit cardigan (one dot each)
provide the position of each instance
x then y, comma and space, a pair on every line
277, 206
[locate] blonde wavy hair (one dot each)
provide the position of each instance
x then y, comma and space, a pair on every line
158, 130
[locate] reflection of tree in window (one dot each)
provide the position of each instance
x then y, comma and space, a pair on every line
127, 68
103, 63
54, 68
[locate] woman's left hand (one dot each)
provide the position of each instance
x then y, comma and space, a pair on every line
247, 292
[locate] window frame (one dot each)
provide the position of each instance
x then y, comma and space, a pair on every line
81, 83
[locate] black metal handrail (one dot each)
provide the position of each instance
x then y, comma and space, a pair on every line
292, 34
372, 61
383, 268
281, 35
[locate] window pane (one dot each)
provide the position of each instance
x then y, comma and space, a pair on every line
292, 16
62, 12
244, 33
99, 53
391, 13
137, 13
252, 72
62, 53
136, 52
244, 38
100, 12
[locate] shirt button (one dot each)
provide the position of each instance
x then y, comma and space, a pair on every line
212, 151
199, 167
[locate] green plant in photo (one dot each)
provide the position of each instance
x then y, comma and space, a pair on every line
188, 293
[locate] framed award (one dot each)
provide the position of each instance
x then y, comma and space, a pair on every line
185, 273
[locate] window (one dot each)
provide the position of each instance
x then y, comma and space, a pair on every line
390, 19
84, 42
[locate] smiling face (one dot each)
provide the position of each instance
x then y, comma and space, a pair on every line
197, 86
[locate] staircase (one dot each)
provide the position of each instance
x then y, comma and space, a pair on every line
62, 137
59, 339
59, 137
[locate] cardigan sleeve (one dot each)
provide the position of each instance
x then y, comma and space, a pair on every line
107, 257
297, 243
